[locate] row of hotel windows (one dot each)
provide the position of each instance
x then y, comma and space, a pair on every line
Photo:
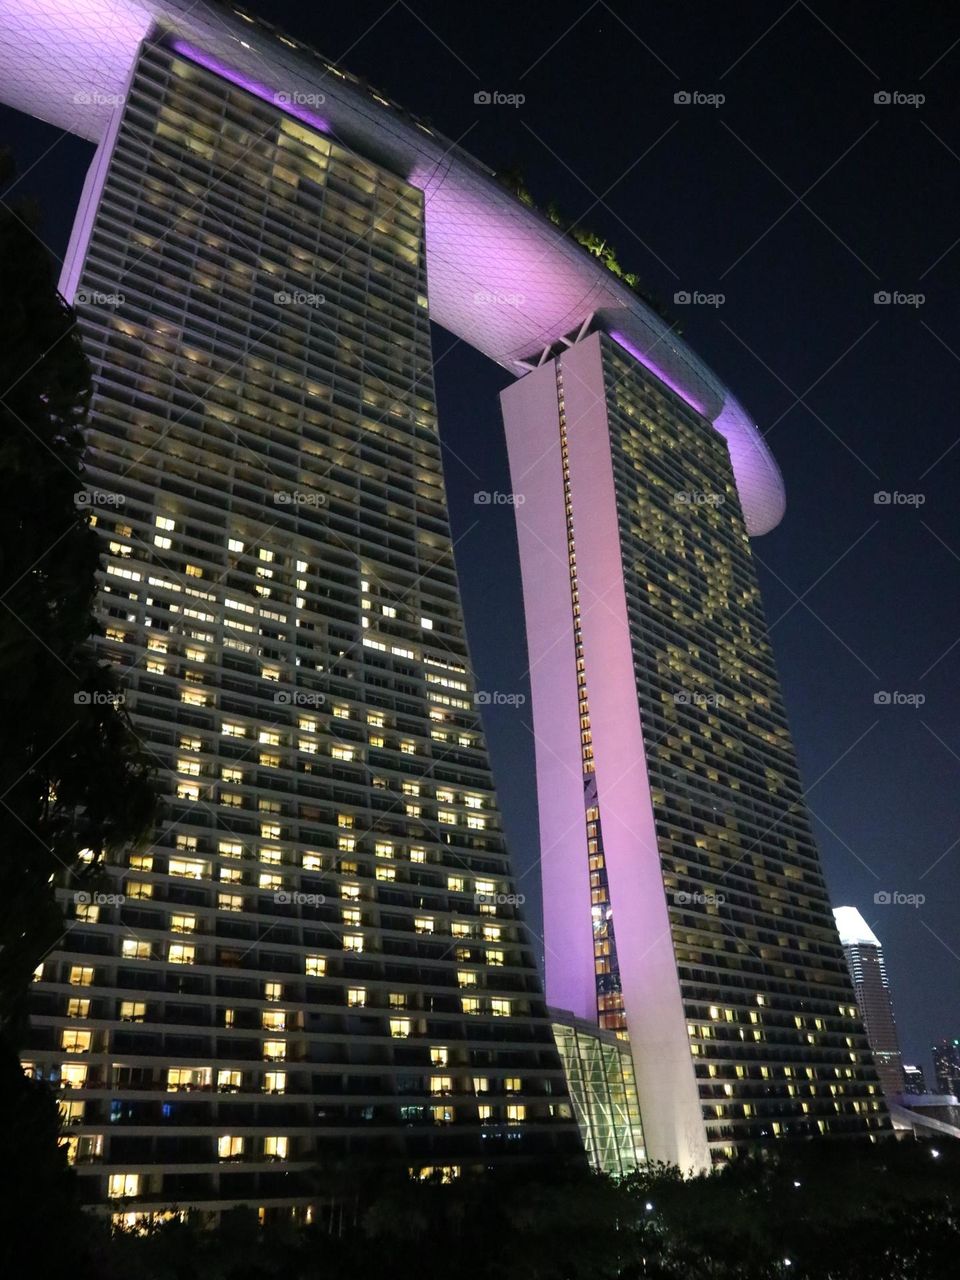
73, 1076
315, 966
80, 1041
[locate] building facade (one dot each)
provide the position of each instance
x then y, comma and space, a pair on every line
914, 1081
684, 904
603, 1092
868, 973
316, 961
946, 1066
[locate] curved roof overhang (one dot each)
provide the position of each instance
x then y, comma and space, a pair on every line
501, 277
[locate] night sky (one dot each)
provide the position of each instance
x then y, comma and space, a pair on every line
798, 198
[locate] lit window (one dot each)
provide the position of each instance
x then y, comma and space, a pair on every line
357, 997
181, 953
73, 1075
229, 1147
275, 1148
192, 870
75, 1041
123, 1184
134, 949
399, 1028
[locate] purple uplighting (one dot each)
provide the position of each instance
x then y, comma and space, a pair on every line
256, 87
657, 372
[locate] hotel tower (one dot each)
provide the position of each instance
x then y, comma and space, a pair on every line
318, 961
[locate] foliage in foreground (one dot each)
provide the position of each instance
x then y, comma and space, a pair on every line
72, 774
836, 1211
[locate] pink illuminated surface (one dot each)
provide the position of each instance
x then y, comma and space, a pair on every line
501, 277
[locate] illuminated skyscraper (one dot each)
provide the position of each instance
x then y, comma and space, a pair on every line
946, 1066
317, 959
683, 898
868, 973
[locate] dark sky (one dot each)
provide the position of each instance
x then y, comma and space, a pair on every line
798, 198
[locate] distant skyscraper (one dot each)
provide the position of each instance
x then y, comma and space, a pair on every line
946, 1066
684, 904
913, 1076
868, 972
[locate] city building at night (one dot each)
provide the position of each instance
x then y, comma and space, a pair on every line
319, 958
914, 1081
684, 903
603, 1092
868, 973
946, 1066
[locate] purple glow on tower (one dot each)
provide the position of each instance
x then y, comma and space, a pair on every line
622, 341
282, 101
